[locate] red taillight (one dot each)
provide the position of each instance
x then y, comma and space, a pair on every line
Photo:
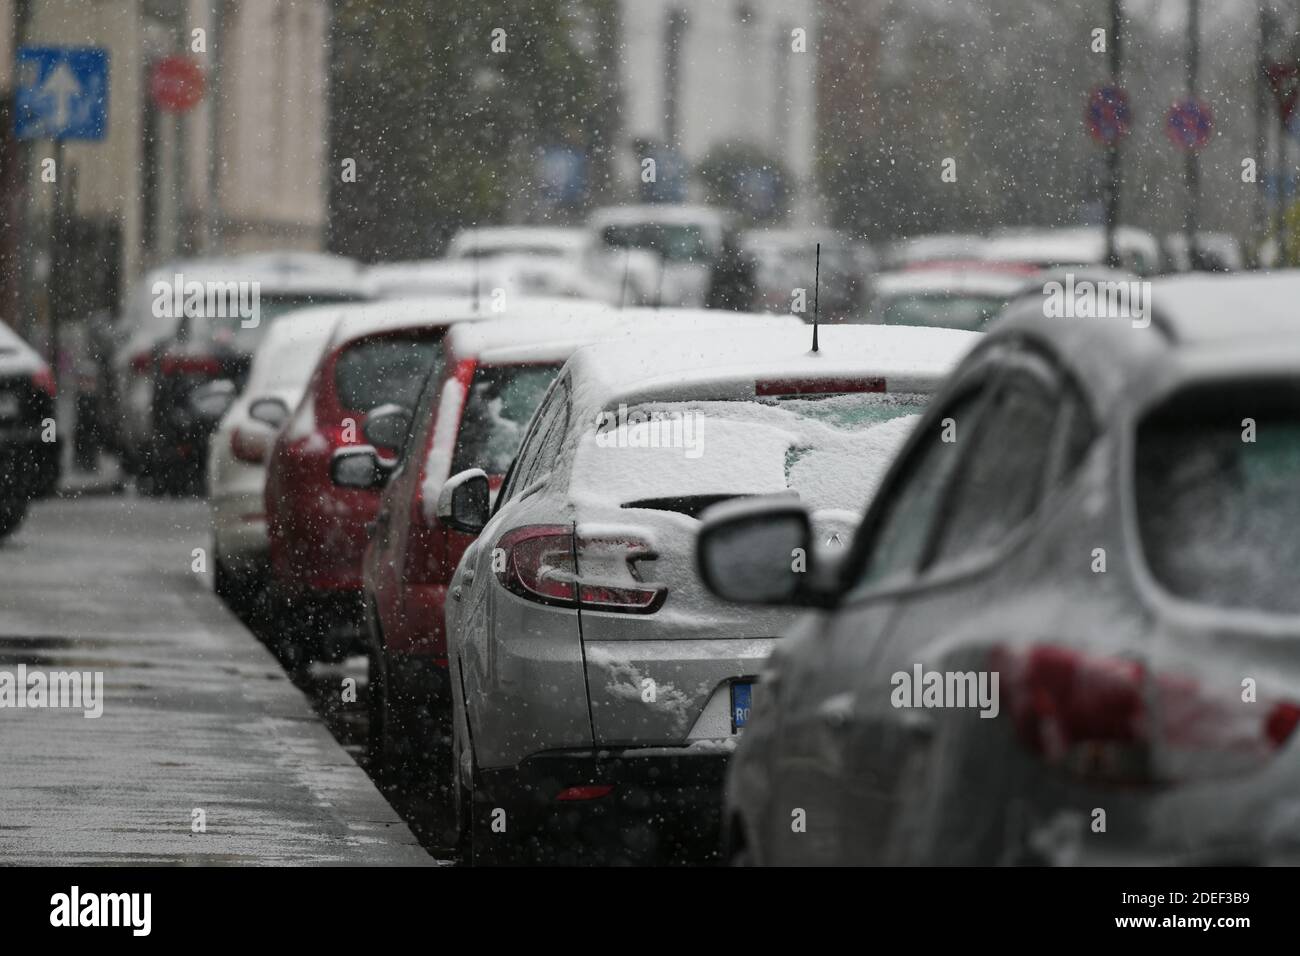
549, 564
1090, 713
44, 380
143, 362
590, 792
251, 447
190, 365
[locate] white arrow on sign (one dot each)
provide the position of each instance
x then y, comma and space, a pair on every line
63, 86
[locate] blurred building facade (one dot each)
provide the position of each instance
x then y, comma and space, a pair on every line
700, 75
243, 170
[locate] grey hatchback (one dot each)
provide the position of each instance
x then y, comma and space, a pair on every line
1067, 630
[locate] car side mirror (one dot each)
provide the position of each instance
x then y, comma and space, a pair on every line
386, 427
272, 412
465, 501
758, 551
358, 467
212, 400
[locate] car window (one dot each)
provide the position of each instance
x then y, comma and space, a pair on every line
1217, 496
543, 441
1001, 478
377, 371
500, 403
897, 540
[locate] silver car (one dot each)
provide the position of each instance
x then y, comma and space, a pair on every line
1067, 629
598, 687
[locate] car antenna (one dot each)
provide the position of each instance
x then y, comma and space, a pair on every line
817, 282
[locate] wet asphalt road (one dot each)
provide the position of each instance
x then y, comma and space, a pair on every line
197, 714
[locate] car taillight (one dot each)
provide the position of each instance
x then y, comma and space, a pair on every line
44, 380
251, 447
817, 386
550, 565
1091, 714
143, 362
589, 792
190, 365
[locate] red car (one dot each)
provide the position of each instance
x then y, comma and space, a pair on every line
472, 416
380, 354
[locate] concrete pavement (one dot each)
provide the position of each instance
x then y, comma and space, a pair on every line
197, 714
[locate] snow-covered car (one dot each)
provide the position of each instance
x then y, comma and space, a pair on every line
29, 447
598, 687
687, 239
948, 296
496, 279
190, 325
473, 414
630, 275
237, 450
1066, 631
1138, 250
786, 260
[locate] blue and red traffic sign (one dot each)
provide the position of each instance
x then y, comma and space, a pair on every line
1107, 116
1189, 124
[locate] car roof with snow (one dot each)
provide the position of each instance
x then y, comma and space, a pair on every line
15, 354
1198, 324
563, 238
691, 366
659, 213
554, 337
964, 281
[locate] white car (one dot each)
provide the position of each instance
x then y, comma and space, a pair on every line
237, 450
688, 240
597, 686
494, 279
630, 275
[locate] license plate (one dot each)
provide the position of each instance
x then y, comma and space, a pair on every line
742, 695
8, 406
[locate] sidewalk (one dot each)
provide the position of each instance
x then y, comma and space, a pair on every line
197, 715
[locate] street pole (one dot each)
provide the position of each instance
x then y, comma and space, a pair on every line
1259, 212
1191, 168
56, 257
1112, 151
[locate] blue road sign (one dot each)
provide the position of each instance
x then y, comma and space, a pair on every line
62, 93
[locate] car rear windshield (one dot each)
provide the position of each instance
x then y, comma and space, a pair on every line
1218, 498
377, 371
971, 313
239, 333
831, 450
502, 398
676, 243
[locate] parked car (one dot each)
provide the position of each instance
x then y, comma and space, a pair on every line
787, 260
598, 687
689, 241
932, 247
379, 357
29, 439
1215, 252
177, 346
238, 449
493, 279
1139, 251
1107, 545
632, 274
473, 414
947, 296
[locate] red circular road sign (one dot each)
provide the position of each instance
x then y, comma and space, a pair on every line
1189, 124
176, 84
1107, 116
